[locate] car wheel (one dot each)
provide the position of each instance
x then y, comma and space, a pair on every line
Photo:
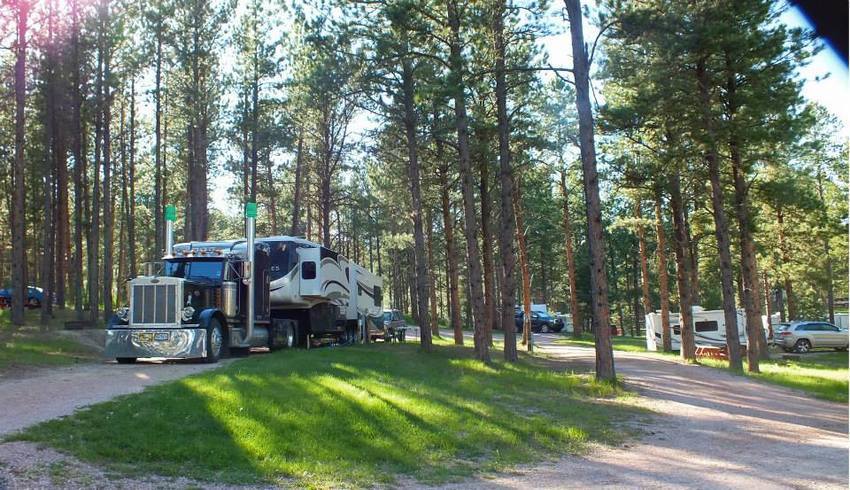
33, 303
802, 346
215, 341
841, 349
545, 328
126, 360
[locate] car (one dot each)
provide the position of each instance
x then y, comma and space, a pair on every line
540, 322
393, 326
35, 296
807, 335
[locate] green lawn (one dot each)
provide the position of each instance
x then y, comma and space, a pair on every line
823, 374
627, 344
353, 416
31, 345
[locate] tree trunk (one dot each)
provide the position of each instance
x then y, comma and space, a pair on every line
490, 310
524, 269
19, 269
575, 313
683, 264
644, 266
663, 277
786, 259
506, 179
595, 236
456, 85
296, 202
451, 255
131, 213
757, 344
830, 279
94, 230
159, 183
108, 221
432, 278
420, 258
721, 226
79, 162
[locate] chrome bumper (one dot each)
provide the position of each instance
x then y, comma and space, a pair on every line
158, 342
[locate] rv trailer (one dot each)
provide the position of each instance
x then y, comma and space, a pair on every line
709, 329
211, 297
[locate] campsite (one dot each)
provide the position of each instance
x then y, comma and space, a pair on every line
424, 244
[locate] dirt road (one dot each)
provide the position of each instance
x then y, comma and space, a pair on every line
714, 430
51, 393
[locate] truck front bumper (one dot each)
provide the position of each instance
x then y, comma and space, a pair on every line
156, 342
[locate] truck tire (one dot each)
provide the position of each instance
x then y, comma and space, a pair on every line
282, 335
215, 341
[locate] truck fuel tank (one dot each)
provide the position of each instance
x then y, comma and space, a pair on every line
229, 293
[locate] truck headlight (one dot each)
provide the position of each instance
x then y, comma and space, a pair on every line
187, 314
122, 313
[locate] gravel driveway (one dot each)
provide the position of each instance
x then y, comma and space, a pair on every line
714, 430
47, 394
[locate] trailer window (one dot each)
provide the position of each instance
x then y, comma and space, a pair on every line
308, 270
710, 326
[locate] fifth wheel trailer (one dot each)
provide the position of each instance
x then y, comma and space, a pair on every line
214, 296
709, 329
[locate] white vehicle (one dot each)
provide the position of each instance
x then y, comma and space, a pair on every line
709, 329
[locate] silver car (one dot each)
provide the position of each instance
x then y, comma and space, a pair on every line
805, 336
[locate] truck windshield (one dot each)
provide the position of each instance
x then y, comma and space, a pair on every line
199, 270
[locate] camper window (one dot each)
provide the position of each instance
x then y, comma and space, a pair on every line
308, 270
710, 326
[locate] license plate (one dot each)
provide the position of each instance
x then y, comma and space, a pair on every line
153, 336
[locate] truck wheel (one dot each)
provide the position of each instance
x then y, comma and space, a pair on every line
289, 336
126, 360
215, 341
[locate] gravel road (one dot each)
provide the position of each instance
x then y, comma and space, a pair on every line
713, 430
49, 393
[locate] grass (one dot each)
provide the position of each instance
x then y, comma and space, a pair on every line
31, 345
824, 375
621, 343
355, 416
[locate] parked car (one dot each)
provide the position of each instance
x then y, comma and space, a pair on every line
540, 322
393, 327
34, 297
805, 336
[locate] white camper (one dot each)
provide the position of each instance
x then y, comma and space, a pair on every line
709, 329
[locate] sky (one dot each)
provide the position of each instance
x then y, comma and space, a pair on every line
825, 80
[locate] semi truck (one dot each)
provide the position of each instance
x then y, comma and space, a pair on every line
209, 299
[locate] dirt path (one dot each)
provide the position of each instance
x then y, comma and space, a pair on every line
715, 430
49, 393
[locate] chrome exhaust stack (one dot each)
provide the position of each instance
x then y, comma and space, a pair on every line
170, 218
248, 270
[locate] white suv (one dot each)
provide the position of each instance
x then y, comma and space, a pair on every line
805, 336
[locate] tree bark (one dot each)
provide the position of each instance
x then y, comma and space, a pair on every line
575, 313
721, 226
19, 269
487, 252
644, 266
456, 85
131, 213
296, 203
79, 162
786, 259
595, 236
94, 230
158, 163
663, 277
451, 255
683, 264
108, 221
420, 258
432, 279
524, 269
506, 179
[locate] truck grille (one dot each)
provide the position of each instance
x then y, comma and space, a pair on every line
154, 304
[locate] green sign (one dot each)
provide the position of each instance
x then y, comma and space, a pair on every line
170, 213
250, 210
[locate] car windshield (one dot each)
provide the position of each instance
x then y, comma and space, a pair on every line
388, 316
782, 326
199, 270
544, 316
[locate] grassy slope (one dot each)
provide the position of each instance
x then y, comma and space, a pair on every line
823, 374
30, 345
344, 416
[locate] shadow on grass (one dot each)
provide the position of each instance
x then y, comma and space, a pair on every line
352, 416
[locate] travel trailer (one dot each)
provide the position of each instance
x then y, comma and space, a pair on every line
709, 329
